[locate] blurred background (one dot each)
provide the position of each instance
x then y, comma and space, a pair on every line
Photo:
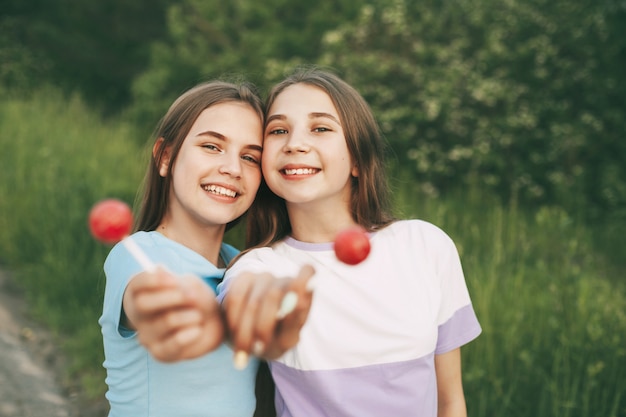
506, 120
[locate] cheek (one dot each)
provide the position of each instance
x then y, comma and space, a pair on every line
271, 149
253, 179
266, 162
264, 168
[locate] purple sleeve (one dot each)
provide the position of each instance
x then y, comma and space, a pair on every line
461, 328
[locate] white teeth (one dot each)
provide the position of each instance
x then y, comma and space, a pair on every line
300, 171
216, 189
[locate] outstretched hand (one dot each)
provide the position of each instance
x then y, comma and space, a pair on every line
254, 319
176, 317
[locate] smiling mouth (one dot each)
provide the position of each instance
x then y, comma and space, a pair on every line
300, 171
221, 191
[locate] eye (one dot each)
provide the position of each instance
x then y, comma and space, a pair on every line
211, 147
251, 158
277, 131
322, 129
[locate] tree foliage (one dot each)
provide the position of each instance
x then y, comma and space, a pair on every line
519, 96
95, 48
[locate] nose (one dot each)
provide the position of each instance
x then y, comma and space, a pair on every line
230, 164
296, 142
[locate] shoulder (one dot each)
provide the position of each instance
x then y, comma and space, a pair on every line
418, 235
256, 255
417, 228
263, 259
153, 244
228, 252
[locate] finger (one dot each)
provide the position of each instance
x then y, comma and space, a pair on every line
170, 349
294, 321
246, 313
147, 303
148, 280
305, 276
189, 290
276, 303
147, 293
183, 334
189, 342
254, 313
300, 285
287, 332
179, 318
211, 337
155, 328
237, 298
200, 308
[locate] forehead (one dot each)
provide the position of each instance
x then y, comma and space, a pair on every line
221, 113
302, 98
229, 119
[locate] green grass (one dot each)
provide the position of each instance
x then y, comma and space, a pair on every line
551, 305
58, 158
554, 328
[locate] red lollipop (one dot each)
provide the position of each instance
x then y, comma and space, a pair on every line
110, 221
352, 245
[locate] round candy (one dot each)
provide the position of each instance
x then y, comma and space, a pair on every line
110, 220
352, 245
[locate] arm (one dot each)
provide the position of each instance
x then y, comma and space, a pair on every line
176, 317
252, 304
450, 385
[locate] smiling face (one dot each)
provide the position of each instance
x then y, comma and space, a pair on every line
305, 156
217, 172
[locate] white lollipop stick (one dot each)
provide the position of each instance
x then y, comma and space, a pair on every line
138, 254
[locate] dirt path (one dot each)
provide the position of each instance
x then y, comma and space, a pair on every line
29, 361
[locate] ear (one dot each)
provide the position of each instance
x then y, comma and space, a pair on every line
164, 162
355, 171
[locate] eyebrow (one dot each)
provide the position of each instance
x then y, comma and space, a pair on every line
275, 117
324, 115
213, 134
313, 115
223, 138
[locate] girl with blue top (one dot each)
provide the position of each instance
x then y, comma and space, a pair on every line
203, 176
382, 338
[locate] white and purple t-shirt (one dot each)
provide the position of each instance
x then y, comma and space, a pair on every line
368, 346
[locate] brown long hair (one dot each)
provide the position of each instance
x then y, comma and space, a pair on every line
370, 201
173, 128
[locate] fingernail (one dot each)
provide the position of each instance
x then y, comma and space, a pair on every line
290, 300
258, 348
310, 286
240, 360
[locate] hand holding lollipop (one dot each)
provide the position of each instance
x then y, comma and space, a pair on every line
110, 221
351, 245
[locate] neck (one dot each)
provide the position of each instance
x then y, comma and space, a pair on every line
205, 240
317, 225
